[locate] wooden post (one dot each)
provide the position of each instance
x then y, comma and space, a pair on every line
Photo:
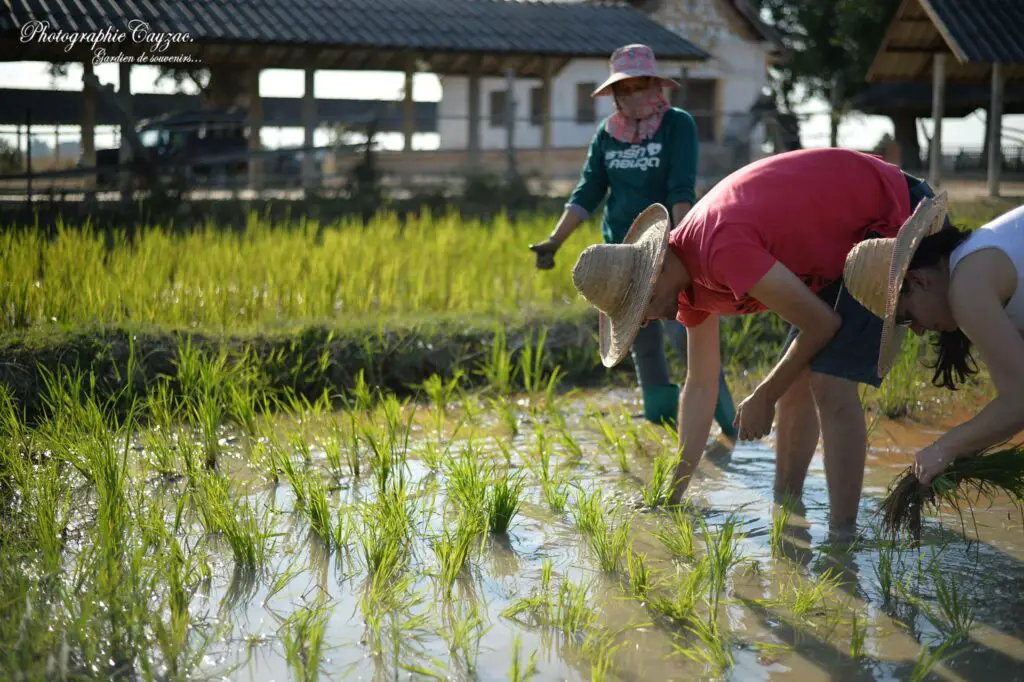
309, 115
124, 94
28, 155
474, 119
88, 133
545, 134
409, 108
510, 121
938, 102
995, 130
255, 124
684, 77
56, 145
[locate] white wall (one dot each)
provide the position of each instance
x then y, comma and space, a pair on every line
738, 65
453, 109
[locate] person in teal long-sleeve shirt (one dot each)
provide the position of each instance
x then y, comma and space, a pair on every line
645, 153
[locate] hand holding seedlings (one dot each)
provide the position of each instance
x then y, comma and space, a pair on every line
930, 462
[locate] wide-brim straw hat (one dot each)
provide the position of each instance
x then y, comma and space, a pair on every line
875, 268
618, 279
631, 61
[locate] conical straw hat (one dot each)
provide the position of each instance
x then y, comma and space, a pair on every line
618, 279
875, 268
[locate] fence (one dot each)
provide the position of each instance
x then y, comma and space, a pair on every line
214, 160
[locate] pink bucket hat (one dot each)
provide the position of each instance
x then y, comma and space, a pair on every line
631, 61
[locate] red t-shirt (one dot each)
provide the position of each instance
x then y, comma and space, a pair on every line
805, 208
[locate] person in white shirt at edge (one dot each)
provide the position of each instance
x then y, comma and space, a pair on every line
968, 287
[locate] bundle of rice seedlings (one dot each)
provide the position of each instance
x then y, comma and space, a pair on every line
988, 475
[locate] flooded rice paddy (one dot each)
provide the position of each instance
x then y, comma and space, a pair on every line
490, 537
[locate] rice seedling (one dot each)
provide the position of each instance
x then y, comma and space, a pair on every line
468, 476
498, 369
441, 393
886, 569
722, 552
600, 647
928, 659
452, 551
569, 610
677, 537
858, 635
531, 366
780, 520
954, 605
506, 412
385, 534
658, 488
990, 474
303, 638
519, 672
607, 531
808, 599
316, 508
679, 602
556, 493
247, 534
639, 574
613, 439
503, 501
574, 452
463, 630
715, 654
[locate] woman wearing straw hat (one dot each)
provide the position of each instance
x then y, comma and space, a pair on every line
969, 287
772, 236
644, 153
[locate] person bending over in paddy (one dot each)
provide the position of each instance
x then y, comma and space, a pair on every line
773, 235
644, 153
968, 287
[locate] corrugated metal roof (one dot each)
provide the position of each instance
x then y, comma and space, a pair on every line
983, 30
557, 29
974, 33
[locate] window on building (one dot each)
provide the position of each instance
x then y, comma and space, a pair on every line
499, 104
537, 106
701, 100
586, 110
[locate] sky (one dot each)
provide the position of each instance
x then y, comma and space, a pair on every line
857, 130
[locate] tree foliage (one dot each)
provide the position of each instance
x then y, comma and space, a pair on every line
832, 44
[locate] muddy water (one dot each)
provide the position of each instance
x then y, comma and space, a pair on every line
983, 557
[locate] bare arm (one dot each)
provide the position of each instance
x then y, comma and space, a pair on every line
976, 303
782, 292
679, 211
569, 221
697, 407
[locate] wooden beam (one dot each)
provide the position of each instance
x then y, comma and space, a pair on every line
995, 116
409, 106
938, 111
309, 121
545, 134
88, 141
255, 123
473, 137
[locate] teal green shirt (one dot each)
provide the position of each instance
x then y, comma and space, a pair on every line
660, 170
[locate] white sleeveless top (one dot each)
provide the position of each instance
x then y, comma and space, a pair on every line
1007, 234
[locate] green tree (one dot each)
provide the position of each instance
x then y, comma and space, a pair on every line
832, 44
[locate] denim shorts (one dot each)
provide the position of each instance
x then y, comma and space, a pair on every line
853, 352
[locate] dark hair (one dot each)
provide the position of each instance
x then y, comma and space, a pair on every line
953, 361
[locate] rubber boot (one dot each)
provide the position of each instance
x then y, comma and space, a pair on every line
661, 403
725, 413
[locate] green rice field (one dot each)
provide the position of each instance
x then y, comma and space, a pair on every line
195, 519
